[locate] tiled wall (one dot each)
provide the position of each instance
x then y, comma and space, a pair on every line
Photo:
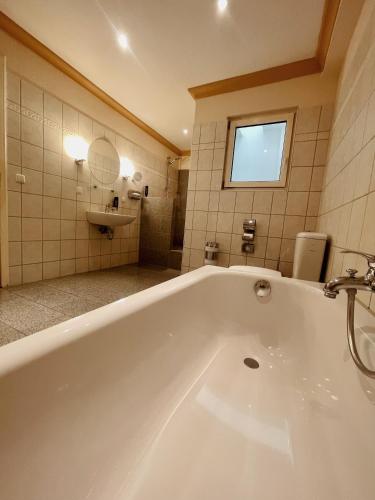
217, 214
156, 230
347, 211
48, 232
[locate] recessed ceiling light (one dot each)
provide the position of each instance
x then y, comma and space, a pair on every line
123, 41
222, 5
185, 131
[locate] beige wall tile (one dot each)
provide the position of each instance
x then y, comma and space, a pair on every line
203, 181
211, 222
82, 249
32, 272
32, 157
33, 184
14, 204
68, 209
198, 239
82, 264
199, 221
297, 203
52, 185
244, 201
313, 205
13, 124
262, 226
68, 249
52, 138
370, 120
15, 275
279, 202
53, 109
321, 153
218, 161
201, 200
276, 225
31, 131
224, 222
68, 229
31, 205
260, 247
227, 201
51, 208
31, 229
51, 270
224, 241
15, 254
51, 229
207, 132
287, 250
262, 202
67, 267
83, 230
14, 151
205, 159
300, 178
317, 178
303, 154
12, 171
273, 248
51, 251
292, 225
307, 120
368, 231
31, 97
14, 228
32, 252
216, 180
13, 87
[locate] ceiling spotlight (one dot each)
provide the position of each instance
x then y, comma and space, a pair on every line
123, 41
185, 131
222, 5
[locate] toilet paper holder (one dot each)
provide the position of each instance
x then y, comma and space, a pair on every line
249, 228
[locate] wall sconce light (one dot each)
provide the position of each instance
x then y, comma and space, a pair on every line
126, 168
77, 148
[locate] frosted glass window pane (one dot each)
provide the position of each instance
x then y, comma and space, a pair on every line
258, 152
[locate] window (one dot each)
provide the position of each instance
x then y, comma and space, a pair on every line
258, 151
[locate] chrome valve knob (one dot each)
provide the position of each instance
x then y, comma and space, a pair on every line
352, 272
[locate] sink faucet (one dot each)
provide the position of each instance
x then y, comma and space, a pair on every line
366, 282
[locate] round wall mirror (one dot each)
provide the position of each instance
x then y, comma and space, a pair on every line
104, 161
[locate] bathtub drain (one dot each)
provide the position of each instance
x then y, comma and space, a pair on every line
251, 363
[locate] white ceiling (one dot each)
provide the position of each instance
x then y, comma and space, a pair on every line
175, 44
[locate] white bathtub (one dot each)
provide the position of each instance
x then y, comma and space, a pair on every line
148, 398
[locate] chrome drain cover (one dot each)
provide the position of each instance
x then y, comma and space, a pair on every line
251, 363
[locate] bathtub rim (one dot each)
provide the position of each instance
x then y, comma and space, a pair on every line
34, 346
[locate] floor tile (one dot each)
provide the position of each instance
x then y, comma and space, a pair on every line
26, 309
8, 334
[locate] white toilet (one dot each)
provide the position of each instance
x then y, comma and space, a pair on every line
308, 256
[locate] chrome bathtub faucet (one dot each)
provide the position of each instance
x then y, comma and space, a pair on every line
351, 284
366, 282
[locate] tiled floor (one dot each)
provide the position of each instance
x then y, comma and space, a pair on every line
27, 309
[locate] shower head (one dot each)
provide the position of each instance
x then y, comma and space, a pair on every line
171, 161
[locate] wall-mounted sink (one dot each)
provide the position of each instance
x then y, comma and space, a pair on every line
108, 218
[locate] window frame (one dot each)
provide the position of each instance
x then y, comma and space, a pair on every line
259, 119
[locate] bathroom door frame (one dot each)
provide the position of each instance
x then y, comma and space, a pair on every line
4, 252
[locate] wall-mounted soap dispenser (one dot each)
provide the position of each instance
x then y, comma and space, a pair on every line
248, 237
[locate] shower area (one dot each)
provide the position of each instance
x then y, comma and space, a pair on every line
163, 218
